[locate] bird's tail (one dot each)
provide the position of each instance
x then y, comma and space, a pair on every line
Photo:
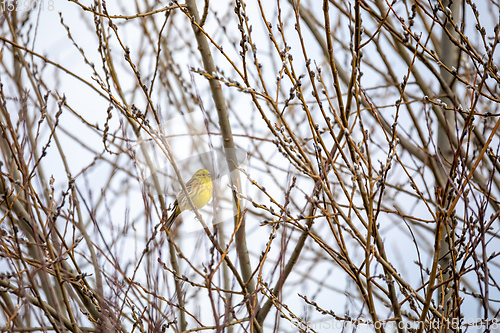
173, 216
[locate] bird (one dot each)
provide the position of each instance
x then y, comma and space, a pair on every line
199, 188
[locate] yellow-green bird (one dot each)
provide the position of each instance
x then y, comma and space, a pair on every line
199, 188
